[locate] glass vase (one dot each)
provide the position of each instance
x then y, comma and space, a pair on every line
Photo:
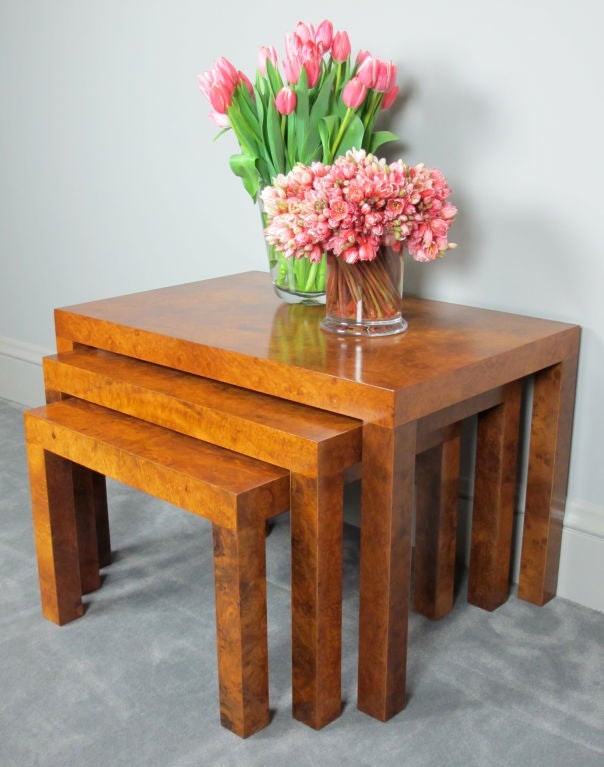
295, 280
364, 298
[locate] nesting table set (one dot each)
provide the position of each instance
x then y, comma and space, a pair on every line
219, 397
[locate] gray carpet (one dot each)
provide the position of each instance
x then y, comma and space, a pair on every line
134, 683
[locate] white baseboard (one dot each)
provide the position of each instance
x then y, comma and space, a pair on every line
21, 372
581, 576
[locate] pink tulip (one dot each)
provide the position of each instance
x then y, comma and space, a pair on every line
313, 69
377, 74
304, 32
340, 48
222, 121
226, 73
265, 54
292, 67
324, 36
285, 101
386, 77
361, 56
220, 98
367, 71
205, 81
389, 97
354, 93
246, 81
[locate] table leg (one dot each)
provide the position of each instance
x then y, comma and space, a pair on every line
386, 519
494, 498
55, 535
437, 498
549, 456
316, 532
86, 486
92, 518
241, 627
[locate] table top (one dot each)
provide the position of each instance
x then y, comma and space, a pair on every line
235, 329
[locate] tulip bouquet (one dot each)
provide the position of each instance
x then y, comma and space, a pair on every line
313, 106
353, 210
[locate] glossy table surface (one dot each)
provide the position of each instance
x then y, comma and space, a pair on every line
236, 330
452, 362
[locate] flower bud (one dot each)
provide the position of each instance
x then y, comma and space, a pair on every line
292, 68
313, 69
285, 101
354, 93
390, 97
226, 73
386, 76
221, 120
246, 81
361, 56
220, 98
324, 35
340, 48
265, 54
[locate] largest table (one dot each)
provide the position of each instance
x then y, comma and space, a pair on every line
452, 362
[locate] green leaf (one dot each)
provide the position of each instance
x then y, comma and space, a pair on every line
248, 140
274, 138
244, 166
249, 114
290, 141
273, 78
328, 128
318, 111
220, 133
378, 138
352, 138
302, 112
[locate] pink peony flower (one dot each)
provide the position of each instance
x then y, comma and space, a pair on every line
356, 205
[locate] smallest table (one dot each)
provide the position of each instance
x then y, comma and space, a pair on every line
452, 362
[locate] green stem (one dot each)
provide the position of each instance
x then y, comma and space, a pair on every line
311, 277
343, 126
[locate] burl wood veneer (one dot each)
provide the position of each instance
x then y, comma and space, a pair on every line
236, 493
315, 445
233, 329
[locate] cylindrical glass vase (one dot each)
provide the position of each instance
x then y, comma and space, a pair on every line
364, 298
295, 280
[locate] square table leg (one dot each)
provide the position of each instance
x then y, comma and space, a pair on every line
437, 500
241, 627
386, 521
494, 500
316, 544
94, 539
549, 456
55, 534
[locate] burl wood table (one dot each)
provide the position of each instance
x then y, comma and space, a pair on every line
453, 362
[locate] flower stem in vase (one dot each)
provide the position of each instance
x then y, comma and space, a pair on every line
364, 298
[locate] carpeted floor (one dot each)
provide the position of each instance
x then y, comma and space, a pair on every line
133, 683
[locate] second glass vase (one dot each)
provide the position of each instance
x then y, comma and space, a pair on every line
364, 298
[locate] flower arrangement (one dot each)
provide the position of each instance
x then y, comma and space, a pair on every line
352, 210
314, 106
322, 105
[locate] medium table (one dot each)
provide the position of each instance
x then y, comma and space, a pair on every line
452, 362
